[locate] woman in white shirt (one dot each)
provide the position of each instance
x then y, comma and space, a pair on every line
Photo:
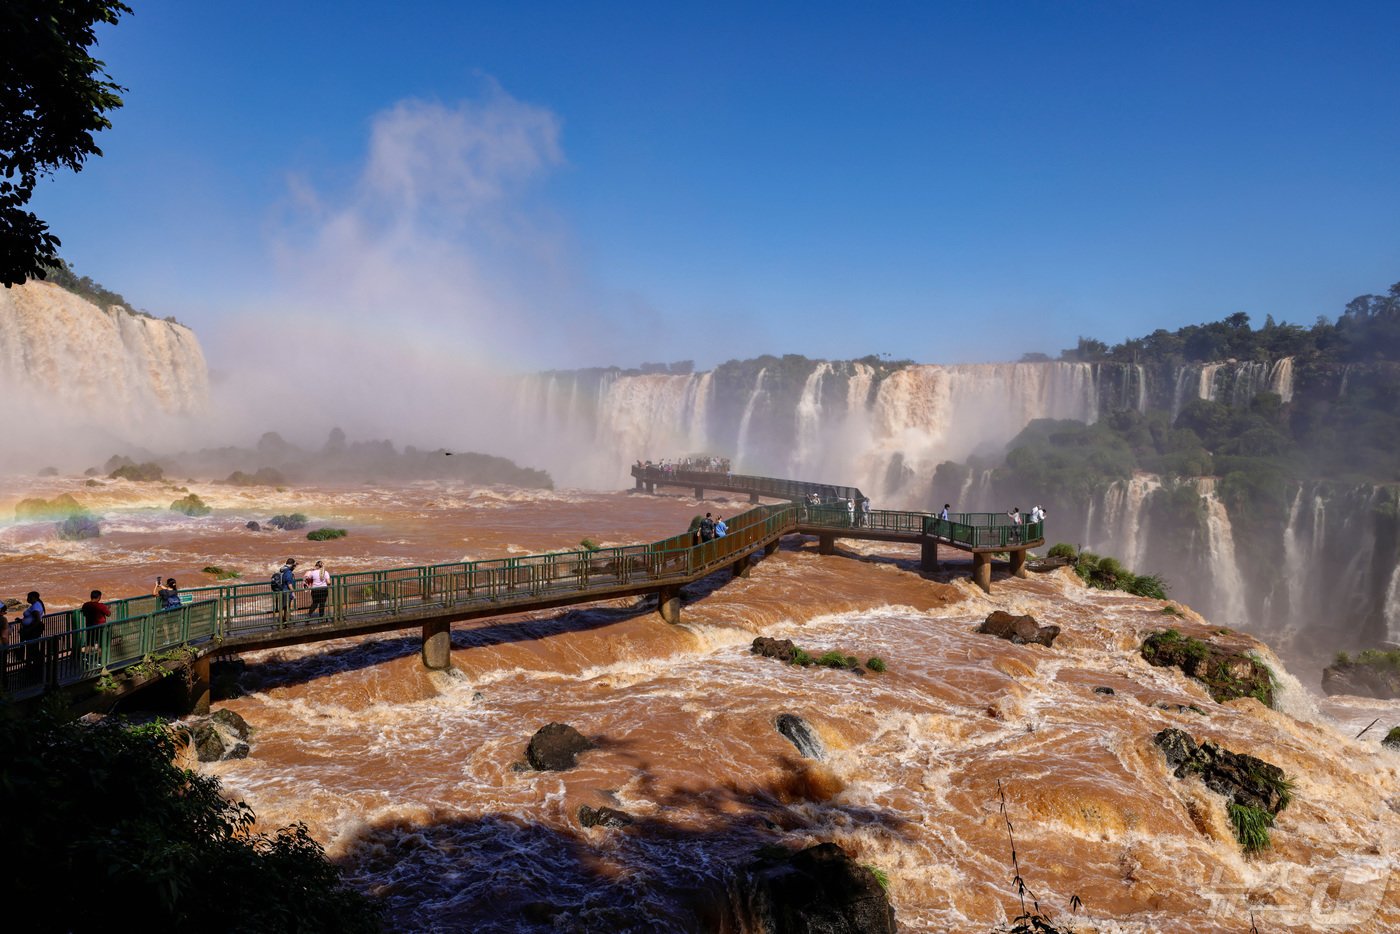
318, 581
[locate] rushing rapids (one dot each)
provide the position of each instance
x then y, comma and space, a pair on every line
409, 778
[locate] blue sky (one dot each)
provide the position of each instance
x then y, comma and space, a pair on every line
584, 183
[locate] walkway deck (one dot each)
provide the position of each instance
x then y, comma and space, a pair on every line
244, 617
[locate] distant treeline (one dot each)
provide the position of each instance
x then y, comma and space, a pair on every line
1368, 330
63, 276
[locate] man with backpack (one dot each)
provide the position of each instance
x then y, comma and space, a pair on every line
284, 587
707, 528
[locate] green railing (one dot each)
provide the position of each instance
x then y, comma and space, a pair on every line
771, 487
70, 652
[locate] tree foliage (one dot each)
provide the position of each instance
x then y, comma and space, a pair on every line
99, 825
54, 97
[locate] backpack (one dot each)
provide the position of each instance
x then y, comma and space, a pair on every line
707, 528
277, 579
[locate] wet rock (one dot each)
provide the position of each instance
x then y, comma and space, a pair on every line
1049, 564
1392, 739
800, 734
781, 649
1019, 630
1362, 679
222, 735
1242, 778
604, 816
554, 748
1225, 674
1104, 690
252, 526
1178, 708
820, 890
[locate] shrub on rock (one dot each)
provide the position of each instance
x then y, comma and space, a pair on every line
191, 505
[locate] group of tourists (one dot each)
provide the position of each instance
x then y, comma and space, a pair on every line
316, 580
695, 464
1018, 522
710, 528
29, 626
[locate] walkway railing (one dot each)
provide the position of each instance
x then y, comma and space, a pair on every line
771, 487
248, 611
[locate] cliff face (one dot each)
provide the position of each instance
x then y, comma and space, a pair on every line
64, 360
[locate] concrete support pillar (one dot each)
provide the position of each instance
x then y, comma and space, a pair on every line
200, 686
639, 483
771, 547
982, 570
740, 568
826, 544
1018, 563
651, 487
928, 555
668, 604
753, 498
437, 645
699, 492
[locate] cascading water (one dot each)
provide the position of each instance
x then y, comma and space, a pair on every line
809, 422
1228, 583
741, 445
63, 359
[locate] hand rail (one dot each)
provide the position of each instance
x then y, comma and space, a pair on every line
137, 629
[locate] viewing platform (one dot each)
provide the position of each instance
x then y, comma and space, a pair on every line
97, 665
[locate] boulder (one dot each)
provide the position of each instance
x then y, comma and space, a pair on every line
222, 735
781, 649
1360, 679
1104, 690
1244, 779
1392, 739
1019, 630
252, 526
1225, 674
554, 748
604, 816
819, 890
801, 735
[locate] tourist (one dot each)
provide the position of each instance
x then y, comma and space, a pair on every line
31, 626
707, 528
286, 592
1037, 514
865, 511
944, 514
1015, 515
95, 616
318, 581
721, 529
850, 512
167, 595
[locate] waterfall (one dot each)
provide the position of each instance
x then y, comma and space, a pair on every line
1183, 380
1227, 583
698, 392
1132, 530
1142, 388
1392, 607
1281, 379
740, 464
66, 363
1294, 562
809, 423
1205, 388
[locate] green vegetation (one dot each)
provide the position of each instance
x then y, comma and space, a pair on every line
138, 831
1226, 675
1061, 550
288, 523
880, 875
325, 535
1251, 826
62, 506
221, 573
589, 544
1392, 738
1375, 658
57, 97
1108, 574
875, 663
191, 505
802, 657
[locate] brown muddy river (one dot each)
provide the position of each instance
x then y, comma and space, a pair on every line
408, 778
